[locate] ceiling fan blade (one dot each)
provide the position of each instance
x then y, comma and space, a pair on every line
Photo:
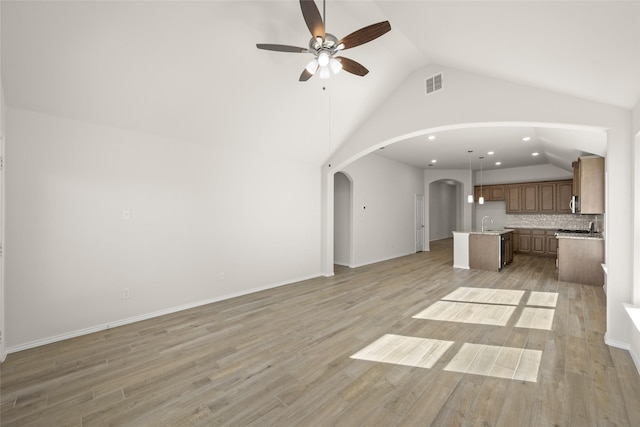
306, 75
281, 48
366, 34
312, 18
353, 67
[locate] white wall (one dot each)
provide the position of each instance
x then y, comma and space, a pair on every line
383, 208
496, 210
442, 210
342, 220
635, 334
197, 211
471, 100
3, 119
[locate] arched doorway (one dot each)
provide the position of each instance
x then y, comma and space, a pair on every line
342, 230
445, 208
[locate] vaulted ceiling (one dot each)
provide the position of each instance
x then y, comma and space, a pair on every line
191, 70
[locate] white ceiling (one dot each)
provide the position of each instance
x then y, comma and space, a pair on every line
190, 70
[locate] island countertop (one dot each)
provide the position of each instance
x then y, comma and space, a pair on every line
580, 236
495, 232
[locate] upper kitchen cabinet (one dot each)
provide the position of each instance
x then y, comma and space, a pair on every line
522, 198
588, 184
547, 197
564, 191
555, 197
491, 193
550, 197
514, 197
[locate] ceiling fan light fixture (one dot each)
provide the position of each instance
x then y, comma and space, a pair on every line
324, 46
312, 66
335, 65
323, 58
325, 73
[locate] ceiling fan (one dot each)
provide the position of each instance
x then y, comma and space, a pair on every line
325, 47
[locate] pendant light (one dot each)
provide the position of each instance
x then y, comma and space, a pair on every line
481, 198
470, 196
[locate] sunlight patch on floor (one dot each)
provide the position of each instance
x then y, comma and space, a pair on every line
484, 314
536, 318
401, 350
483, 306
494, 361
485, 295
543, 299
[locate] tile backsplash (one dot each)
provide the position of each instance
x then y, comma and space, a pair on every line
568, 221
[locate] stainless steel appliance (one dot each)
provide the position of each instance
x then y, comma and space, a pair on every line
574, 204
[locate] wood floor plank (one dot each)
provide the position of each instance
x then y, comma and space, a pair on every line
283, 357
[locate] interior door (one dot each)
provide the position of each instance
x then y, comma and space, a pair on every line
419, 222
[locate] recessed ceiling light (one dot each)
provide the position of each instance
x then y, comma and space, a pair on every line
526, 138
431, 137
498, 163
490, 153
535, 154
434, 161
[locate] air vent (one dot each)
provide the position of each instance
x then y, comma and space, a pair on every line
434, 83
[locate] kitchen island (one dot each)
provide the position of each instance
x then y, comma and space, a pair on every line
580, 258
487, 250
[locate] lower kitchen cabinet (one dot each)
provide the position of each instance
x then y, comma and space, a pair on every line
580, 261
484, 252
535, 242
490, 251
508, 248
538, 242
552, 243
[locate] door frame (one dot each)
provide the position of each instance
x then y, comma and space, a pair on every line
419, 201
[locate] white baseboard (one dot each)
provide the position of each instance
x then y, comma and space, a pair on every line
635, 358
146, 316
465, 267
615, 343
382, 259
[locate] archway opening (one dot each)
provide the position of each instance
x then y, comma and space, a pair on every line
445, 208
342, 214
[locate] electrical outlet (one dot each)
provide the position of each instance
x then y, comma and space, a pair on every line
125, 293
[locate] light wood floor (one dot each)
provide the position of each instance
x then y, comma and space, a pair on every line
283, 358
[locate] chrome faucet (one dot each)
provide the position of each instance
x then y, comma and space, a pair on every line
483, 218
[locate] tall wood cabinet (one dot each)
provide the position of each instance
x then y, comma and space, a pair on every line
588, 184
